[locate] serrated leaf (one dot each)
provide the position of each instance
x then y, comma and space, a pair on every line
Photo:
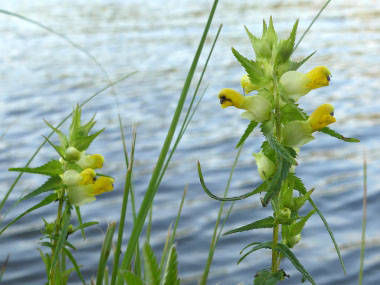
334, 134
152, 271
261, 188
51, 168
252, 125
287, 153
295, 65
260, 224
83, 142
297, 183
267, 277
267, 244
291, 112
73, 166
75, 264
53, 183
255, 72
171, 271
296, 228
130, 278
293, 259
75, 123
46, 201
62, 138
275, 183
330, 233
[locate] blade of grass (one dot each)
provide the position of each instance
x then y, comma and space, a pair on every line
364, 219
105, 252
77, 211
124, 206
149, 226
52, 132
312, 22
164, 252
215, 235
153, 186
3, 267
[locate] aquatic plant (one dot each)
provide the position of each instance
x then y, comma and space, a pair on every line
274, 108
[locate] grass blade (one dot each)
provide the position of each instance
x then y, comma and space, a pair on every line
75, 264
105, 252
364, 219
153, 185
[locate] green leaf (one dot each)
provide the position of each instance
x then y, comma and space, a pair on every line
53, 183
152, 271
275, 183
291, 112
249, 245
287, 153
330, 233
60, 150
51, 168
293, 259
295, 65
260, 224
171, 271
83, 142
267, 244
267, 277
252, 125
85, 225
131, 279
271, 35
104, 253
75, 264
285, 47
46, 201
79, 216
255, 72
46, 260
260, 46
296, 228
62, 138
75, 123
262, 187
334, 134
297, 183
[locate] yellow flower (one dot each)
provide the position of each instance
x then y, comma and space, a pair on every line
85, 189
91, 161
322, 117
297, 84
247, 85
258, 108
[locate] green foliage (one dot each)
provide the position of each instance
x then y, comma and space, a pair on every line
293, 65
152, 271
53, 183
104, 253
171, 271
267, 277
252, 125
51, 168
296, 228
297, 264
334, 134
75, 264
267, 245
259, 224
291, 112
131, 278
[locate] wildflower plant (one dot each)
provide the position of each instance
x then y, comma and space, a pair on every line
73, 182
271, 90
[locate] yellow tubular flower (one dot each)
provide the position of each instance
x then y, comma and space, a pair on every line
88, 176
297, 84
322, 117
103, 184
258, 108
91, 161
247, 85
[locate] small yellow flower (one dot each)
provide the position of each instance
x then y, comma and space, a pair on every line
322, 117
247, 85
297, 84
91, 161
258, 108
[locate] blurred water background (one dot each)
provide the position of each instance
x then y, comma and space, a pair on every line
41, 76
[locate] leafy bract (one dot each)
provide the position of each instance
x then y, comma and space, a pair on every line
295, 65
260, 224
53, 183
334, 134
267, 277
152, 271
252, 125
51, 168
130, 278
171, 271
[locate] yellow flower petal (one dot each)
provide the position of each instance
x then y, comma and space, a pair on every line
103, 184
229, 97
318, 77
322, 117
247, 85
88, 176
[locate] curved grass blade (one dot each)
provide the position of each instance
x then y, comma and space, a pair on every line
261, 188
46, 201
260, 224
293, 259
267, 244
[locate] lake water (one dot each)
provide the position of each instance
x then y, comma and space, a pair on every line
43, 77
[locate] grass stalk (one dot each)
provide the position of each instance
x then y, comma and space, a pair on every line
105, 252
153, 185
364, 219
216, 234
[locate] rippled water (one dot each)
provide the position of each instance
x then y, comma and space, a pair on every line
43, 77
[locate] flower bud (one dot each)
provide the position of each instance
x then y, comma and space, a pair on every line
72, 154
284, 213
265, 166
297, 133
294, 240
